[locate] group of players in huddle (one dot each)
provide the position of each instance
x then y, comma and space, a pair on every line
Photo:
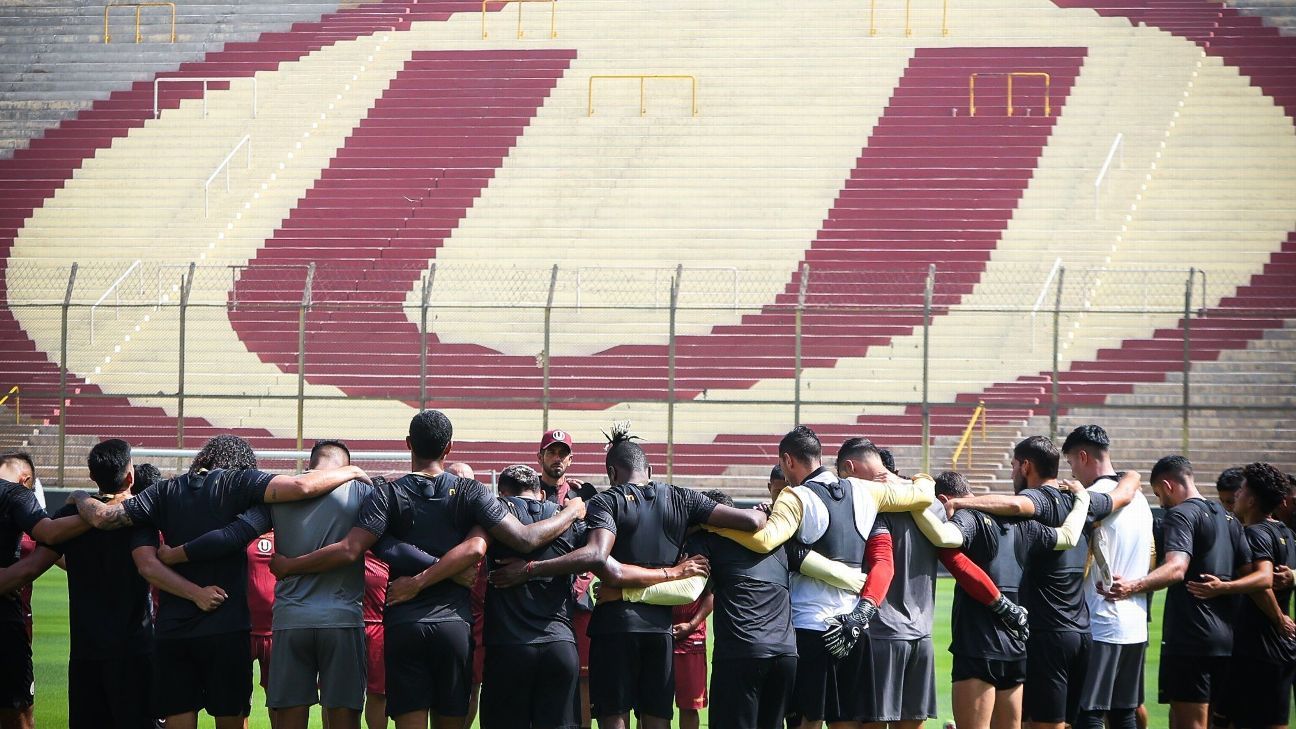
823, 601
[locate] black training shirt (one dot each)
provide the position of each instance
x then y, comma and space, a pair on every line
109, 608
977, 632
1254, 635
1052, 505
1213, 540
433, 514
620, 510
753, 606
1053, 581
19, 512
184, 508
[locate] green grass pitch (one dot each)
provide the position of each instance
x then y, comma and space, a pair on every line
51, 651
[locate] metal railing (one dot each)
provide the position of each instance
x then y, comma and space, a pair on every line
643, 109
1118, 144
965, 441
553, 15
873, 29
246, 141
16, 393
204, 80
1048, 86
114, 289
139, 38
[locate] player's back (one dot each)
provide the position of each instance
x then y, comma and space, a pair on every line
909, 609
327, 599
540, 609
1213, 539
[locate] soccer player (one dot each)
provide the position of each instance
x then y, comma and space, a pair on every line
1230, 479
375, 600
1121, 543
428, 620
202, 660
777, 482
1200, 538
260, 599
690, 633
532, 668
555, 458
636, 522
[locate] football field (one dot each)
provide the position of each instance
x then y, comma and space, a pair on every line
49, 604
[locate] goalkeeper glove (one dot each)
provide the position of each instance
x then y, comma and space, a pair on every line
1013, 617
844, 631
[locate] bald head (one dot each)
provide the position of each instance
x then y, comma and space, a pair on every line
461, 469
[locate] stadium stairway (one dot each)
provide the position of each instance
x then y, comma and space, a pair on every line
1277, 14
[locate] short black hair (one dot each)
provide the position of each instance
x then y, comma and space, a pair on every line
108, 462
1090, 437
952, 484
146, 474
1230, 479
516, 479
888, 460
321, 446
1267, 484
1041, 452
719, 497
1175, 468
856, 448
23, 456
776, 474
802, 444
430, 433
224, 451
623, 453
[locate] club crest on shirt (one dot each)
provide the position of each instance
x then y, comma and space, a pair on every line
630, 497
265, 546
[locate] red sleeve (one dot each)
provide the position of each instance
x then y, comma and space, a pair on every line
974, 581
881, 568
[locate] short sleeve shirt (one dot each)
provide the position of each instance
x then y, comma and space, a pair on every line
1215, 544
753, 616
976, 632
1255, 636
19, 512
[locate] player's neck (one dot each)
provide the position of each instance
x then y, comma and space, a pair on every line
427, 468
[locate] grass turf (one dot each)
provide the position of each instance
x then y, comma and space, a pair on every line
49, 604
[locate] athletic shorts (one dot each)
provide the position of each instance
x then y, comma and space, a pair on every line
429, 666
1192, 679
330, 659
17, 681
580, 626
1114, 677
531, 685
632, 672
691, 680
904, 679
1003, 675
90, 706
212, 673
376, 671
261, 648
751, 693
1057, 664
828, 689
1260, 693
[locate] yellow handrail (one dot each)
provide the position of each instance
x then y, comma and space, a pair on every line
642, 77
139, 38
908, 25
1048, 86
966, 440
16, 393
553, 15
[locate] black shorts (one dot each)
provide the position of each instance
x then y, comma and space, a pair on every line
1114, 678
632, 672
429, 667
531, 686
1192, 679
1260, 693
211, 673
751, 693
1057, 664
828, 689
17, 681
1003, 675
127, 707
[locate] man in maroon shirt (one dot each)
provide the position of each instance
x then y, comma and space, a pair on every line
375, 599
260, 599
690, 631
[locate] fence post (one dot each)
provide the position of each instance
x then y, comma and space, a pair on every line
928, 292
800, 315
1057, 331
548, 314
186, 284
63, 372
1187, 360
301, 354
670, 376
428, 280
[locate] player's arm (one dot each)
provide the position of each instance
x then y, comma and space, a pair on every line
403, 559
672, 593
56, 531
168, 580
463, 557
706, 606
831, 572
26, 570
1068, 535
527, 538
743, 520
589, 558
898, 494
217, 543
1268, 604
1014, 505
1259, 576
615, 574
781, 525
942, 534
339, 554
310, 484
114, 514
1126, 487
1172, 570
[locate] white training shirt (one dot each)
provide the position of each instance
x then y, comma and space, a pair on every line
1124, 541
813, 602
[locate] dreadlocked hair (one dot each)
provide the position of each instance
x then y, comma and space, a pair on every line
224, 451
622, 452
